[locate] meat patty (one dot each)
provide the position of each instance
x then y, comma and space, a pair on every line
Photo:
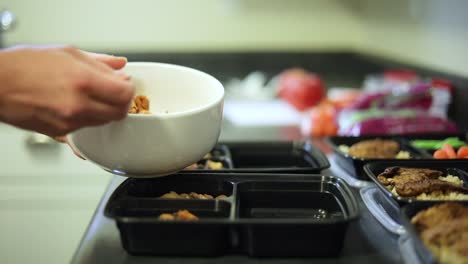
391, 172
415, 188
410, 182
375, 149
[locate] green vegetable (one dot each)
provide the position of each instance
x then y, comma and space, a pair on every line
437, 144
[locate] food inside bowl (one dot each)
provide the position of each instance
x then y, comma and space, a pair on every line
207, 163
376, 149
423, 184
140, 105
443, 228
181, 215
192, 195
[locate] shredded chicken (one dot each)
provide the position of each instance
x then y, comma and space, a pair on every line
183, 215
140, 105
207, 163
192, 195
444, 230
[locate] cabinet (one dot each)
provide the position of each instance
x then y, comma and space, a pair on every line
47, 198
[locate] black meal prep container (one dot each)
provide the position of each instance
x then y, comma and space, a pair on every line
457, 168
269, 157
264, 215
407, 212
354, 166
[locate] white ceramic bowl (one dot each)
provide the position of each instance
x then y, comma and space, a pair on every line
185, 124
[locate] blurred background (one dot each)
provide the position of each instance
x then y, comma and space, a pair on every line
267, 53
430, 33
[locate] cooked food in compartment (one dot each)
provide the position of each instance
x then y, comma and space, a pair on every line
448, 152
443, 228
181, 215
207, 163
140, 105
423, 184
376, 149
190, 196
434, 144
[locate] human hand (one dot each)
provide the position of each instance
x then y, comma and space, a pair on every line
64, 139
56, 90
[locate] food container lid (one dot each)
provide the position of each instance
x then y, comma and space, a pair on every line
379, 207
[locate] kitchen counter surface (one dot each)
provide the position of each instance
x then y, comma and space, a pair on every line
366, 241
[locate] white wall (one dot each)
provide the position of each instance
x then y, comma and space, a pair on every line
424, 32
430, 33
169, 25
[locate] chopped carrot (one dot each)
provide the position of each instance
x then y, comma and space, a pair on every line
330, 128
462, 152
450, 151
440, 154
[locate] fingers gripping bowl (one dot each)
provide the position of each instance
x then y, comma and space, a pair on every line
185, 122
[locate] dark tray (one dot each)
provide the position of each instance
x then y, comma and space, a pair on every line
264, 215
354, 166
407, 213
455, 167
268, 157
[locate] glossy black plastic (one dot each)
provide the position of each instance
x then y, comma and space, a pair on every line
292, 218
454, 167
275, 156
263, 215
354, 166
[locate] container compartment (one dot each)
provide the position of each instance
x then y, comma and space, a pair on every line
457, 168
281, 200
270, 157
407, 212
286, 218
298, 157
152, 208
354, 166
220, 153
142, 233
180, 184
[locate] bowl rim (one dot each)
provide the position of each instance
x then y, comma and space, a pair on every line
178, 113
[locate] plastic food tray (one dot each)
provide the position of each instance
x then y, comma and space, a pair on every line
454, 167
267, 157
407, 212
354, 166
264, 215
